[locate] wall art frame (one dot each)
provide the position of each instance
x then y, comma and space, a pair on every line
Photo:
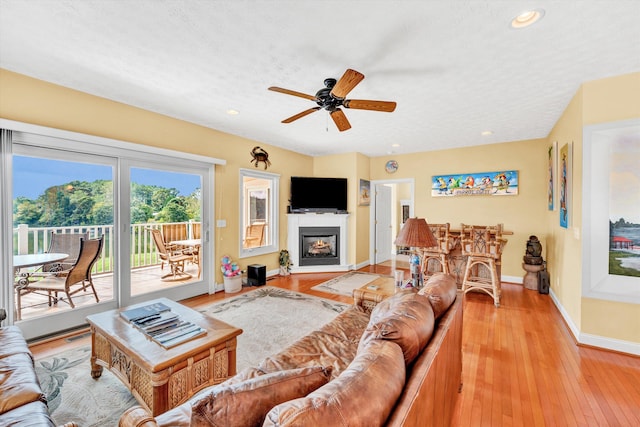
565, 171
552, 167
499, 183
364, 193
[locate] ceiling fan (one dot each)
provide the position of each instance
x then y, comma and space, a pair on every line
332, 97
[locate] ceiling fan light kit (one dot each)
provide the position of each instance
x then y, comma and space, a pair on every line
333, 96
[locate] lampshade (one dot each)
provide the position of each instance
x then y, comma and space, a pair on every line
415, 233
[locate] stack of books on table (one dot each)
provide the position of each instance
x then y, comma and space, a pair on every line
162, 325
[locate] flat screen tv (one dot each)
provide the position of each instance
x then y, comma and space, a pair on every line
324, 195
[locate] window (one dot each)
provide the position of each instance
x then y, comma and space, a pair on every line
601, 207
259, 212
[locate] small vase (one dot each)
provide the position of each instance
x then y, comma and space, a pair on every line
232, 284
284, 271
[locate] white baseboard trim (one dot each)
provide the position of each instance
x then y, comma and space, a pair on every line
610, 344
607, 343
512, 279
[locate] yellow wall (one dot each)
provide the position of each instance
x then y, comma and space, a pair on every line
565, 247
608, 100
601, 101
521, 214
33, 101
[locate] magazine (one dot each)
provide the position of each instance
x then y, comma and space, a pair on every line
140, 313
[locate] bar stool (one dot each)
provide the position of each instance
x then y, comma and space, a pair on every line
434, 259
482, 245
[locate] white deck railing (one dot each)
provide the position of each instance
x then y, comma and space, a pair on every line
32, 240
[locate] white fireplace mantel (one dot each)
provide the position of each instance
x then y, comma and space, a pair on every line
295, 221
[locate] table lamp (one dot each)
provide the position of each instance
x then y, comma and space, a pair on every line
416, 233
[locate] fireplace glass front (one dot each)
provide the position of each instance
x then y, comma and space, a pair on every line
319, 246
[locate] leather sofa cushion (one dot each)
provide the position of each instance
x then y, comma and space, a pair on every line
335, 344
245, 403
362, 396
405, 318
12, 341
441, 289
18, 382
28, 415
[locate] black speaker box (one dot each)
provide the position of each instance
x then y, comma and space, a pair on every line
256, 275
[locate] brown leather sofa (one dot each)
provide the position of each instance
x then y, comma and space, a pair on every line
399, 366
22, 402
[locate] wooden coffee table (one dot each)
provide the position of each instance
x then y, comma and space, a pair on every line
160, 378
369, 295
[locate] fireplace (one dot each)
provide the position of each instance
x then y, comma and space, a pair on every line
319, 246
318, 242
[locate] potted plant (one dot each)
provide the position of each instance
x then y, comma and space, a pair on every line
285, 263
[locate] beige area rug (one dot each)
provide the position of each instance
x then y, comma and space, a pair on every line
271, 319
345, 284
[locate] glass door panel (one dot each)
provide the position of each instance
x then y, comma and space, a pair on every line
166, 242
58, 199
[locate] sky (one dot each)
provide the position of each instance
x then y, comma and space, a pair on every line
624, 181
32, 175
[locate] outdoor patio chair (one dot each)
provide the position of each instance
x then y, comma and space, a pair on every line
174, 258
66, 243
255, 235
78, 278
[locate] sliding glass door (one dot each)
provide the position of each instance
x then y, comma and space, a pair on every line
59, 199
166, 229
149, 206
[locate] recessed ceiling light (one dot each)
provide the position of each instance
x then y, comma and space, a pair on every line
487, 133
233, 112
527, 18
395, 145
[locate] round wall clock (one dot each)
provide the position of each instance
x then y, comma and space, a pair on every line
391, 166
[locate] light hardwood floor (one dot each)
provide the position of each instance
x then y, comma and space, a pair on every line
521, 366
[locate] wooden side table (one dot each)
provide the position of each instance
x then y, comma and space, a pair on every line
369, 295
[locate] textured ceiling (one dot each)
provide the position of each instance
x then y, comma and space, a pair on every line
455, 68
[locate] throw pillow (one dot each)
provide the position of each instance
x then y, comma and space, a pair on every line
405, 318
362, 396
246, 403
441, 289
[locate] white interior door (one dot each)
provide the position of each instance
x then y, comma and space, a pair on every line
383, 224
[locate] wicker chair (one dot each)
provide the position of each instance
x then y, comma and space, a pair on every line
77, 279
434, 259
482, 245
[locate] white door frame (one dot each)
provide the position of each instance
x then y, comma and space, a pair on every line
372, 210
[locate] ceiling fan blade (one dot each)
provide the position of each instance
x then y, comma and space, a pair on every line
300, 115
340, 120
293, 92
347, 82
364, 104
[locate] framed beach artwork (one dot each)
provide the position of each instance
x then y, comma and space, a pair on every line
564, 183
499, 183
364, 193
552, 161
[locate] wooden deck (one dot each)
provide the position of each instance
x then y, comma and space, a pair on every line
142, 280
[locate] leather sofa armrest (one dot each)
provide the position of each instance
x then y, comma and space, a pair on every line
137, 416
